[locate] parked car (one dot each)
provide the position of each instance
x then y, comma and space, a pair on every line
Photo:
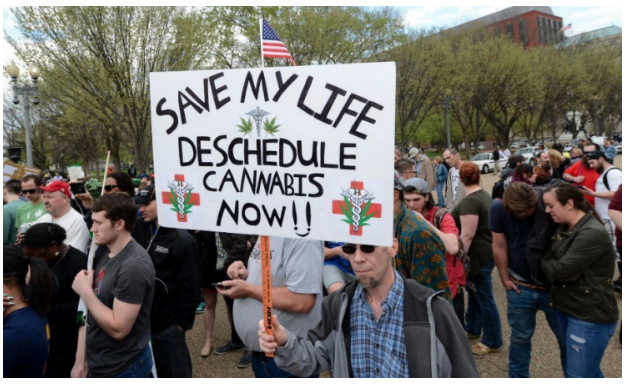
572, 144
485, 161
618, 147
528, 154
515, 145
480, 147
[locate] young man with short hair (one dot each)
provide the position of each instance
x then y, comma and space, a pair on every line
405, 168
512, 224
58, 203
118, 293
455, 192
11, 199
368, 328
28, 213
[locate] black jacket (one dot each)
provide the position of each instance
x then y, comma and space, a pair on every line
234, 245
175, 256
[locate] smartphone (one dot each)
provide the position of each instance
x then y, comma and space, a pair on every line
78, 188
219, 285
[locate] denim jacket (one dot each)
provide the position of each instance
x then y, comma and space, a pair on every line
442, 173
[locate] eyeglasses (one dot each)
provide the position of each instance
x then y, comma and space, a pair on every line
349, 249
108, 188
29, 191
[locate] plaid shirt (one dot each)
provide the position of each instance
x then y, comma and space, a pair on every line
377, 347
609, 151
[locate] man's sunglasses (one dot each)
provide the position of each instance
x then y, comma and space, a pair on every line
108, 188
349, 249
29, 191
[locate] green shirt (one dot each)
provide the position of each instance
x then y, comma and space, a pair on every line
421, 253
9, 215
27, 213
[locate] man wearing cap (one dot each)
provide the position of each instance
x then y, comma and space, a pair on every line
421, 253
57, 201
609, 181
423, 167
174, 253
582, 174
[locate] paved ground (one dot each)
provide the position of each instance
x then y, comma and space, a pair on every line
545, 357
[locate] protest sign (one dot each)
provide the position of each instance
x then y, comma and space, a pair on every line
17, 171
300, 152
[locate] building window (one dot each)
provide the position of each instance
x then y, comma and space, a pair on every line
546, 31
523, 32
539, 34
560, 34
496, 31
509, 30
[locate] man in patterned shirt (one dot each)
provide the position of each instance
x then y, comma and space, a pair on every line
421, 253
380, 325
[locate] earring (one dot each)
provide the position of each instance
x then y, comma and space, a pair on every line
56, 253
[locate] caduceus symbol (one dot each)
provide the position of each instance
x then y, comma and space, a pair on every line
258, 114
181, 188
357, 198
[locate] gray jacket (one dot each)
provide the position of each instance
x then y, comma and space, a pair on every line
460, 193
436, 344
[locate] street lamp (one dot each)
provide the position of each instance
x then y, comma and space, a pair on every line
595, 115
25, 91
446, 107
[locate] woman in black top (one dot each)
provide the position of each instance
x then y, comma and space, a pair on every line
45, 241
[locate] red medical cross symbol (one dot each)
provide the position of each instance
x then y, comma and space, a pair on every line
195, 198
375, 209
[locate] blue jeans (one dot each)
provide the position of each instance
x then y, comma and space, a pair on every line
482, 314
264, 367
441, 200
522, 314
585, 345
140, 369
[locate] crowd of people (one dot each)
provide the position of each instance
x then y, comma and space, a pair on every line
552, 231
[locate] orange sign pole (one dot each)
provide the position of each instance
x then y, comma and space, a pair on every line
266, 263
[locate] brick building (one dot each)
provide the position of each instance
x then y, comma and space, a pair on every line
527, 25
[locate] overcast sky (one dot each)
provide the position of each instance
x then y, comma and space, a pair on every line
582, 18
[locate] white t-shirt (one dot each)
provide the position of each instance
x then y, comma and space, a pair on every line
296, 264
455, 181
614, 179
75, 228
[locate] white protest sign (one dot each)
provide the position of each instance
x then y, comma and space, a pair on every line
299, 152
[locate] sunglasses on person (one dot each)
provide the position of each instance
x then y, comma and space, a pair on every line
29, 191
109, 188
349, 249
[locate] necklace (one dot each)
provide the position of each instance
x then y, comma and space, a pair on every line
62, 257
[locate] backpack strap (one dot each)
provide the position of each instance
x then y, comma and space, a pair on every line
605, 178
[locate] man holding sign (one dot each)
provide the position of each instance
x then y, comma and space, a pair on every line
296, 294
381, 325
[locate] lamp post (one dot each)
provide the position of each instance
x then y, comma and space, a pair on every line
595, 115
446, 107
25, 91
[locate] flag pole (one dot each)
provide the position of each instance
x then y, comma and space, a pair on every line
261, 36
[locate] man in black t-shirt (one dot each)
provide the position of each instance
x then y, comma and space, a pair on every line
511, 221
118, 293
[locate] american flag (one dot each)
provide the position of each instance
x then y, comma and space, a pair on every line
272, 46
565, 28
